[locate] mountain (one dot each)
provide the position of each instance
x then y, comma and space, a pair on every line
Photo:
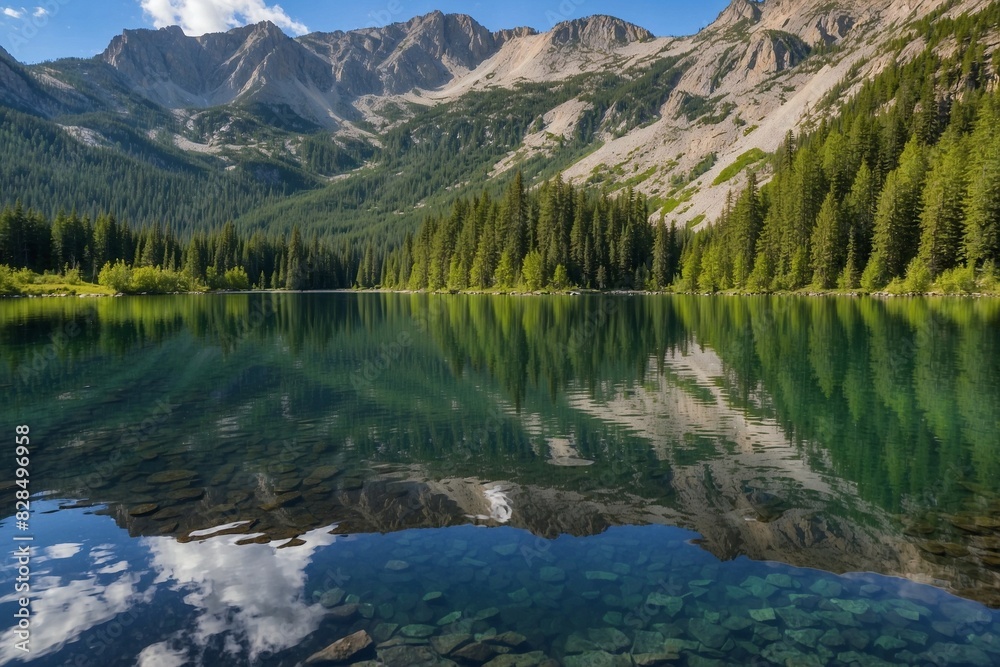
364, 132
311, 75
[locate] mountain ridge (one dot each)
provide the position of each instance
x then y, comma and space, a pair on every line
611, 104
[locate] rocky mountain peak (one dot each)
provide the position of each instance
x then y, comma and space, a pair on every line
504, 36
739, 11
599, 32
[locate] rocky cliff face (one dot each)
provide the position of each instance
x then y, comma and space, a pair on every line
737, 12
421, 53
261, 63
598, 33
175, 70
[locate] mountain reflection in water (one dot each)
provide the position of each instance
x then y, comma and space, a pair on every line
241, 452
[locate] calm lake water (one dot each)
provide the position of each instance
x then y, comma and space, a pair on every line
579, 481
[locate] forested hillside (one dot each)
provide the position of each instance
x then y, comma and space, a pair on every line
901, 188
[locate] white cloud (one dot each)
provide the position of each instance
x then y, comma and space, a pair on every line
13, 13
67, 550
40, 12
197, 17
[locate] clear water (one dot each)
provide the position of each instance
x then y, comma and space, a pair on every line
247, 479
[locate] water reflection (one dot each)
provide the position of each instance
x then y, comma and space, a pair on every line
252, 598
845, 435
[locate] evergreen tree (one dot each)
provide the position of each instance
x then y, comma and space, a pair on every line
828, 243
744, 231
943, 213
897, 220
982, 229
661, 256
294, 269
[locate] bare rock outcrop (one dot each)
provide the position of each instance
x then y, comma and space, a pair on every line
598, 33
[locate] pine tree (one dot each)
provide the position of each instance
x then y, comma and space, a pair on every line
897, 220
862, 204
982, 229
943, 215
294, 270
661, 256
745, 228
484, 263
828, 243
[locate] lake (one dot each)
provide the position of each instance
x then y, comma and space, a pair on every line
514, 481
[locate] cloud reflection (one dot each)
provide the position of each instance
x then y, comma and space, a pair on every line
62, 610
253, 594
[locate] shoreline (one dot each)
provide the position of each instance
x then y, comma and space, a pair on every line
542, 293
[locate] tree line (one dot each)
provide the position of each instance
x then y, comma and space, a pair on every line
154, 258
555, 236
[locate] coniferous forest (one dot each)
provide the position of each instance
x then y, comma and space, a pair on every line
897, 189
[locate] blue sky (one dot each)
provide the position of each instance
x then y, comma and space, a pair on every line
37, 30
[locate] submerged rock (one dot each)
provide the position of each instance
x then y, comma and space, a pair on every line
445, 644
509, 638
533, 659
889, 643
332, 598
758, 587
856, 607
384, 631
827, 588
397, 565
597, 659
808, 638
409, 656
450, 618
709, 634
958, 654
655, 659
486, 614
647, 642
611, 640
321, 474
762, 615
795, 618
418, 631
342, 650
576, 643
520, 595
613, 618
671, 604
171, 476
780, 580
781, 653
478, 652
